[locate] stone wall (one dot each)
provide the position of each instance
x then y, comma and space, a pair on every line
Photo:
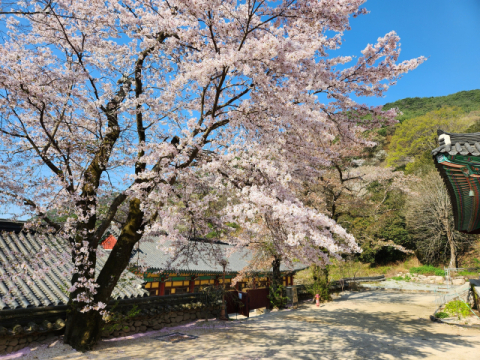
22, 327
10, 344
425, 279
174, 317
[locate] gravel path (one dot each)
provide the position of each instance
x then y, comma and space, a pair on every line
358, 325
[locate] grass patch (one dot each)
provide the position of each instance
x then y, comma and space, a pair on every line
441, 315
427, 270
401, 278
468, 273
457, 308
350, 269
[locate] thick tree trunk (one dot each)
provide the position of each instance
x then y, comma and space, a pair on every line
83, 330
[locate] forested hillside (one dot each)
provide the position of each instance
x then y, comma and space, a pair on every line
413, 107
387, 208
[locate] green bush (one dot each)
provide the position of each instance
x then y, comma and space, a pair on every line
457, 308
277, 299
427, 270
441, 315
400, 278
116, 320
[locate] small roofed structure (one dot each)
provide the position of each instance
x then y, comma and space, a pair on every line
49, 289
109, 242
458, 160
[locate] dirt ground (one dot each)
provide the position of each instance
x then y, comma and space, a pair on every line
358, 325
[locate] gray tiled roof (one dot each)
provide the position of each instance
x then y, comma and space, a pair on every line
49, 289
197, 256
453, 144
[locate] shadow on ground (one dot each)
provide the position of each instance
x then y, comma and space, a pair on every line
366, 325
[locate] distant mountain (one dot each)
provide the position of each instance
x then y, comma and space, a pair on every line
412, 107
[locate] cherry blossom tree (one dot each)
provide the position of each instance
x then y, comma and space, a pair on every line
141, 101
343, 189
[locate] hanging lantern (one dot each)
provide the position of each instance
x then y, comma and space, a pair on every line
458, 161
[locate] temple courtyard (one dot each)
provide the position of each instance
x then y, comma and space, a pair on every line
356, 325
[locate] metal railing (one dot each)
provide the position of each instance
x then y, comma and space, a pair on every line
448, 277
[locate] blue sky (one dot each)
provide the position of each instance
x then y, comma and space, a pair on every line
445, 31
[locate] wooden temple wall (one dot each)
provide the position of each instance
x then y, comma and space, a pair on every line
170, 284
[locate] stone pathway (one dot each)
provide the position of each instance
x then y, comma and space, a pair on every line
357, 325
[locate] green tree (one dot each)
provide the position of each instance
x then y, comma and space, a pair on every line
416, 137
379, 226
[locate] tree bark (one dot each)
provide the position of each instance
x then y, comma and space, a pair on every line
276, 282
453, 252
451, 243
83, 330
276, 274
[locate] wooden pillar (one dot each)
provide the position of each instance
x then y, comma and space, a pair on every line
254, 282
291, 280
216, 283
191, 286
161, 291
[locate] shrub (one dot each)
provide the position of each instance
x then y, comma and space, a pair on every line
441, 315
115, 320
400, 278
277, 299
427, 270
321, 283
457, 308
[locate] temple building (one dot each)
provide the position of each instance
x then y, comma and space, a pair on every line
458, 161
198, 265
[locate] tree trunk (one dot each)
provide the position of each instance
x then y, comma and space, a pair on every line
453, 254
275, 298
451, 242
83, 330
276, 274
